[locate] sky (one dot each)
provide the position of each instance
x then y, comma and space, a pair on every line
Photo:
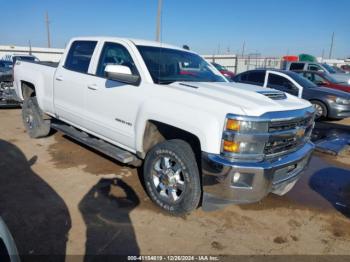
269, 27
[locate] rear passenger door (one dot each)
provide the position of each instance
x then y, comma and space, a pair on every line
70, 83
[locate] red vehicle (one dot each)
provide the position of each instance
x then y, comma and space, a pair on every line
223, 70
324, 79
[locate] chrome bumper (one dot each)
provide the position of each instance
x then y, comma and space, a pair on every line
226, 182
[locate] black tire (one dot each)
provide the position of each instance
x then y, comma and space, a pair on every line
323, 113
33, 119
181, 157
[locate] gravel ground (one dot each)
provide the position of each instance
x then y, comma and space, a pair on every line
59, 197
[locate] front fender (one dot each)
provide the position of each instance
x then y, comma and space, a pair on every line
202, 124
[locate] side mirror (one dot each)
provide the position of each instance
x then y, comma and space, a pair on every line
122, 74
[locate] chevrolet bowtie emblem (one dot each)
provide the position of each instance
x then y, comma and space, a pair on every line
300, 132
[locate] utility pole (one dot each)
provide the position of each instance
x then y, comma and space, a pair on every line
322, 54
159, 20
243, 48
48, 30
331, 49
30, 47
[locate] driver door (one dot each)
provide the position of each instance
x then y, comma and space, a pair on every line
111, 105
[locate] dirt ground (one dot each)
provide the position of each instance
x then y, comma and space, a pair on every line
59, 197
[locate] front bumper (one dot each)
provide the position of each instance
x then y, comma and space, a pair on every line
253, 181
339, 111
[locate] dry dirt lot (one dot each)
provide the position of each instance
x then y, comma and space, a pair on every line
59, 197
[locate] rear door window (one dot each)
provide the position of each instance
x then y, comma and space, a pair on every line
314, 67
257, 78
296, 66
281, 83
79, 56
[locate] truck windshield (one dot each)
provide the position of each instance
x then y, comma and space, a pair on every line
170, 65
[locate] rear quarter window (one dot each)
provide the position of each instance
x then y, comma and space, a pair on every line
296, 66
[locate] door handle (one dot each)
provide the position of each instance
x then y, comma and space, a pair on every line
59, 78
92, 87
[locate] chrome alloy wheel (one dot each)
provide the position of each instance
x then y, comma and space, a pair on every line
319, 110
168, 179
29, 121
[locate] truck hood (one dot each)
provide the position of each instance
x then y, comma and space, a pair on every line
252, 100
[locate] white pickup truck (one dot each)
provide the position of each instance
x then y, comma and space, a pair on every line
200, 139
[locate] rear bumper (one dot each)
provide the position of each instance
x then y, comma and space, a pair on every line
226, 182
339, 111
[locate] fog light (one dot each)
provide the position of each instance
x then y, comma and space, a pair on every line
236, 177
231, 146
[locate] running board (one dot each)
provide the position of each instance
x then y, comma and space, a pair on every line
110, 150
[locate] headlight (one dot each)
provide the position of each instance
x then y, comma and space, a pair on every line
349, 82
339, 100
342, 101
246, 126
243, 147
236, 141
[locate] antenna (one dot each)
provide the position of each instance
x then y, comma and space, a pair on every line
331, 48
48, 30
159, 16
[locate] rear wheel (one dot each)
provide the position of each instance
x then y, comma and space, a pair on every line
321, 110
172, 178
33, 118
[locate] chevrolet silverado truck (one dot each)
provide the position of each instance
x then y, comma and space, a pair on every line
200, 139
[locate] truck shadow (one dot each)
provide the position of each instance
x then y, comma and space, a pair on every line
333, 184
106, 211
36, 215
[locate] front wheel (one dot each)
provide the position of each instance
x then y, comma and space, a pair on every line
171, 177
321, 110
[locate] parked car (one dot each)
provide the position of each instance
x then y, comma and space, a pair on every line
8, 249
5, 65
223, 70
328, 103
5, 71
8, 97
345, 68
324, 79
339, 70
139, 107
311, 66
23, 57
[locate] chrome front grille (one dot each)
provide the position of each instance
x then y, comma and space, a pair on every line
288, 135
290, 124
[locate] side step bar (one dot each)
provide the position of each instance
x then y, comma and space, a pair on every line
110, 150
